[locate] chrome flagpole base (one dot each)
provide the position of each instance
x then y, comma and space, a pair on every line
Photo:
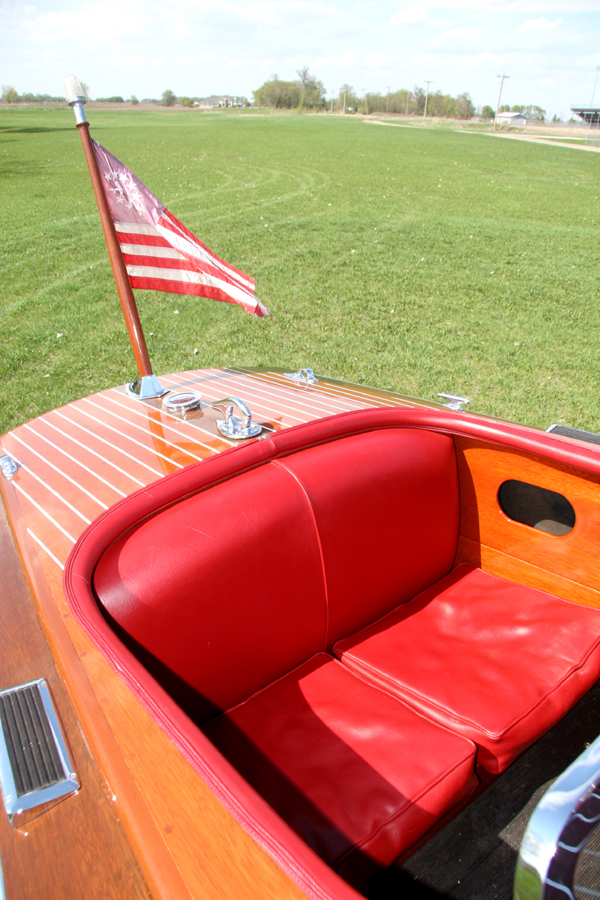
146, 388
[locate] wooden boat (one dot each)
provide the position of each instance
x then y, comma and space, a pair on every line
439, 562
333, 647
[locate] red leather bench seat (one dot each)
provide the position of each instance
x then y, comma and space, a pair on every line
497, 662
357, 774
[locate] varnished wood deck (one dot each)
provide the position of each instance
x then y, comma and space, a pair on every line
78, 460
75, 462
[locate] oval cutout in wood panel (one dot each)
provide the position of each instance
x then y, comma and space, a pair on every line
537, 507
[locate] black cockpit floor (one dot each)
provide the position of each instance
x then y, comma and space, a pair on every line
474, 856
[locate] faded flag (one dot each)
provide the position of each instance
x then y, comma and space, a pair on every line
160, 253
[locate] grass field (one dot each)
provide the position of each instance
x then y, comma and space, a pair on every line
421, 260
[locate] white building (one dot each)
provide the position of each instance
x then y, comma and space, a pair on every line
511, 118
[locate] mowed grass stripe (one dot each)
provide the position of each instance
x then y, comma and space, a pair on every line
415, 259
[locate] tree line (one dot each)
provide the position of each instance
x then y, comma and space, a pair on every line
307, 92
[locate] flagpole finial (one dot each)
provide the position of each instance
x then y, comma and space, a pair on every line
75, 97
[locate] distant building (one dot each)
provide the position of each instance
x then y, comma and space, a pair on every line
511, 118
589, 114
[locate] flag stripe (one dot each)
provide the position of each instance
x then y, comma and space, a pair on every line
160, 253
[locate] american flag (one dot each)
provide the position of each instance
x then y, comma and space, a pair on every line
160, 253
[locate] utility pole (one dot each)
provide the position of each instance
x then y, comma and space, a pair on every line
344, 102
426, 98
387, 102
362, 102
407, 99
595, 83
332, 101
502, 79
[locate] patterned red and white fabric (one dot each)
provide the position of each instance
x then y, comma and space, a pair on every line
160, 253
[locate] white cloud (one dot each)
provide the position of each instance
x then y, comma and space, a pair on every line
461, 40
414, 16
538, 26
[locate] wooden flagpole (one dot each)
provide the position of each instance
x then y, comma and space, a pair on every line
150, 386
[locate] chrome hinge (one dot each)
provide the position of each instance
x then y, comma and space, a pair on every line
303, 376
8, 466
454, 402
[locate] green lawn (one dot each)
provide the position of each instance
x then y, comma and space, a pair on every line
421, 260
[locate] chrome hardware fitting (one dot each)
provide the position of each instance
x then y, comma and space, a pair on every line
561, 825
35, 768
75, 98
304, 376
183, 402
146, 388
236, 427
454, 402
8, 466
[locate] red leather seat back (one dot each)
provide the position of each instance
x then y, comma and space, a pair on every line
223, 591
386, 506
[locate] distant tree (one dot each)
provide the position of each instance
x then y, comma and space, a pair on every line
517, 108
534, 112
184, 101
9, 94
352, 101
277, 94
116, 99
419, 95
85, 89
312, 91
168, 98
556, 118
465, 108
504, 108
487, 112
134, 100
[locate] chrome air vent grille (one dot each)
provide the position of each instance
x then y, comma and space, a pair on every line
567, 431
31, 749
34, 763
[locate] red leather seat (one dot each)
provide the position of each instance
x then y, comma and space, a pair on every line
357, 774
497, 662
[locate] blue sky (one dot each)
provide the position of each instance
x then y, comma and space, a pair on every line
549, 48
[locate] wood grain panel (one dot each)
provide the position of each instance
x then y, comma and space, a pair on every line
492, 539
63, 852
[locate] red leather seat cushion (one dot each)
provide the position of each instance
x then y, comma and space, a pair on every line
358, 775
495, 661
223, 590
386, 509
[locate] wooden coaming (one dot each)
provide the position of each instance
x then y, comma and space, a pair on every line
566, 565
74, 463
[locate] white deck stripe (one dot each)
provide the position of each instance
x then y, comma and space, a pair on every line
315, 407
326, 391
45, 549
141, 428
122, 434
94, 453
292, 411
362, 396
259, 407
49, 488
56, 469
255, 401
178, 419
43, 512
104, 441
315, 399
216, 437
78, 461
